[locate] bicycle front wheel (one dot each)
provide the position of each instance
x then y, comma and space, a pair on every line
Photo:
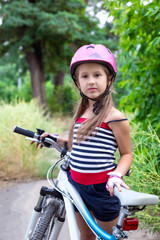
48, 216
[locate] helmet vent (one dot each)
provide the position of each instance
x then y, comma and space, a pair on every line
90, 47
109, 51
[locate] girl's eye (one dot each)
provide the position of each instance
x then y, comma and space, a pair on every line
97, 75
84, 76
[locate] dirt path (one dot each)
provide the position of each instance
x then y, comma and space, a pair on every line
16, 204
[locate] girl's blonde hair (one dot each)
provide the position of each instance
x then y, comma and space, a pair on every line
89, 125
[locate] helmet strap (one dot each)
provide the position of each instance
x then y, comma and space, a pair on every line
86, 97
97, 106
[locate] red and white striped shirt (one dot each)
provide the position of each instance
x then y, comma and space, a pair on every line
93, 158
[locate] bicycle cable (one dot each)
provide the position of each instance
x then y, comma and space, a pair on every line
52, 168
53, 184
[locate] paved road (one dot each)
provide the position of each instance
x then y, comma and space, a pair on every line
16, 204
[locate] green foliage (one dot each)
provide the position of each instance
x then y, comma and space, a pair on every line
55, 24
9, 89
8, 78
25, 93
137, 25
146, 159
63, 98
9, 83
17, 158
145, 175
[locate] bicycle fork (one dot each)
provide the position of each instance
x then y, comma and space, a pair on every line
35, 216
58, 223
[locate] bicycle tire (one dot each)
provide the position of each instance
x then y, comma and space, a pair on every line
49, 213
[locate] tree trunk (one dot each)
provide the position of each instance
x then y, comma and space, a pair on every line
35, 62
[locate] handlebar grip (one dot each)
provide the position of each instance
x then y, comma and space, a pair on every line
24, 132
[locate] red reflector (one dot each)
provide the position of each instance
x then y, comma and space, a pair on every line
130, 224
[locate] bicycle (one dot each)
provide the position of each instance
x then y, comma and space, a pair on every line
57, 203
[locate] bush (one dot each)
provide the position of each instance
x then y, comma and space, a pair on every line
17, 157
63, 100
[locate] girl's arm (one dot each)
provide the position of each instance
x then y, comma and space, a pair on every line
121, 132
61, 141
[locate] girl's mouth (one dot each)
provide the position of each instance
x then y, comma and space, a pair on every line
92, 89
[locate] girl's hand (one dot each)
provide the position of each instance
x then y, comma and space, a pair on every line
55, 135
37, 144
115, 179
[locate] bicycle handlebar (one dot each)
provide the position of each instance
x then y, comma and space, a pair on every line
24, 132
48, 141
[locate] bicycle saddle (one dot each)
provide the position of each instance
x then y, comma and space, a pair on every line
133, 198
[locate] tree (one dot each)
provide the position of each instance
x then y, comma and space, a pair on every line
137, 25
46, 32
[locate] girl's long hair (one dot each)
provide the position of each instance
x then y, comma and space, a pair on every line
89, 125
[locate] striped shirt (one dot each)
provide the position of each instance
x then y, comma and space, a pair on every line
93, 158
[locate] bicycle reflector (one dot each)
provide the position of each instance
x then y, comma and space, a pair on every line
130, 224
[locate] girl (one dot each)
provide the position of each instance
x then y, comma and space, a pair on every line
97, 130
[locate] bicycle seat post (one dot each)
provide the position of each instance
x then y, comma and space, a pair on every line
118, 231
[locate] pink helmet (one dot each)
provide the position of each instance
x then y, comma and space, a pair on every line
93, 53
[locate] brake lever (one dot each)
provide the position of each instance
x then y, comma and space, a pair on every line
48, 142
45, 142
32, 139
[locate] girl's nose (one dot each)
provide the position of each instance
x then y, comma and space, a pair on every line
91, 80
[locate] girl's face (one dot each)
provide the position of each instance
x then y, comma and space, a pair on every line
92, 79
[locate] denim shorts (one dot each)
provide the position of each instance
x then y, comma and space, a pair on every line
98, 200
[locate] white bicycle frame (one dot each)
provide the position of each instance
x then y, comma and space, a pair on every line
128, 198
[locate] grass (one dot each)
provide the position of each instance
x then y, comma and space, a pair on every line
17, 158
145, 175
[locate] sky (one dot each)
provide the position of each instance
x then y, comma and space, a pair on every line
104, 17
